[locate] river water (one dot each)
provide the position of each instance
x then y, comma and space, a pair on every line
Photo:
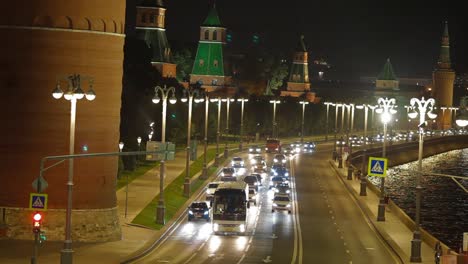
444, 206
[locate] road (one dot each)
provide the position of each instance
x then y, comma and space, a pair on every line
326, 226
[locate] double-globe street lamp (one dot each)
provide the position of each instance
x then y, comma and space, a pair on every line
303, 103
161, 209
419, 108
73, 94
462, 118
242, 100
275, 128
386, 108
190, 95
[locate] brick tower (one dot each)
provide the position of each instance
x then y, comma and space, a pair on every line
209, 67
150, 27
45, 42
443, 78
298, 83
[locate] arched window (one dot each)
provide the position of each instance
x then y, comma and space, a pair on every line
215, 63
207, 34
215, 35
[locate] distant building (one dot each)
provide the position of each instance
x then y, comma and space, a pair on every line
150, 27
209, 67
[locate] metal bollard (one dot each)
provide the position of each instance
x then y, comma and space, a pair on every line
363, 190
350, 173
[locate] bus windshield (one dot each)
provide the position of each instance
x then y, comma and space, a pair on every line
229, 202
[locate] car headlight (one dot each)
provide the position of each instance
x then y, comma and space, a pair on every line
258, 150
190, 212
208, 191
275, 204
284, 161
275, 160
250, 149
288, 205
215, 227
288, 191
253, 161
206, 213
286, 174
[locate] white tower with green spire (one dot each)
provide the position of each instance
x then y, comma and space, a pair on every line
209, 67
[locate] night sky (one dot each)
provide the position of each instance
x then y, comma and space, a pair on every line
356, 37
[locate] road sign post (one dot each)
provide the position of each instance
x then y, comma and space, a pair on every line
377, 167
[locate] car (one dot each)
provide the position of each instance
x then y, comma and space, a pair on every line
255, 149
308, 147
275, 167
198, 210
288, 151
259, 177
211, 188
281, 202
258, 162
282, 188
276, 180
296, 146
253, 196
228, 172
279, 159
252, 181
281, 171
237, 162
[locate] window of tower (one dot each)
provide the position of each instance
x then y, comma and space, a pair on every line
201, 62
143, 18
214, 82
215, 35
207, 34
215, 63
152, 18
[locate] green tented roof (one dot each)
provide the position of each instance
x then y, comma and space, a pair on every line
301, 45
387, 72
444, 56
212, 19
211, 53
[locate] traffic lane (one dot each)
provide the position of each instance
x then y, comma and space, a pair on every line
352, 237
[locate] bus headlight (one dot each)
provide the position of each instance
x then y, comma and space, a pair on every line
288, 205
190, 212
274, 204
206, 213
215, 227
242, 228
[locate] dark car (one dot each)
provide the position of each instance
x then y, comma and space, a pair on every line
199, 210
277, 180
252, 181
276, 167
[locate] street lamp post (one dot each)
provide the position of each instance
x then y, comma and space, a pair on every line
352, 118
335, 154
121, 145
386, 107
242, 100
205, 147
73, 94
372, 107
366, 110
303, 103
274, 132
443, 117
161, 209
228, 102
326, 125
421, 106
139, 143
218, 100
340, 157
189, 95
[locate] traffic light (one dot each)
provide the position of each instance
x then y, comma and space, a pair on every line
37, 222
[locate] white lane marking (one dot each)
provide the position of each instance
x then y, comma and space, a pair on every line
242, 258
191, 257
297, 224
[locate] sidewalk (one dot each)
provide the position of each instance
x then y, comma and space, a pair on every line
393, 230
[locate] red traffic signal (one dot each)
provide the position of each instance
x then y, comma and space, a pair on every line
37, 222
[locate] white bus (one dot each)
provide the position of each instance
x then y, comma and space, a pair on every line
230, 208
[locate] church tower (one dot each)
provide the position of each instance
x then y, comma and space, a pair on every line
209, 68
442, 80
298, 82
150, 27
386, 83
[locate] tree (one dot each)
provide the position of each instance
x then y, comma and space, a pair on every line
183, 59
276, 75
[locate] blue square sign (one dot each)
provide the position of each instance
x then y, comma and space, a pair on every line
38, 201
377, 167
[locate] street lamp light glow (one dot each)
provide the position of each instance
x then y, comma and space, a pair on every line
139, 140
121, 145
57, 93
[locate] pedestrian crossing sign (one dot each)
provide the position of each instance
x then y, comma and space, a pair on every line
377, 167
38, 201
